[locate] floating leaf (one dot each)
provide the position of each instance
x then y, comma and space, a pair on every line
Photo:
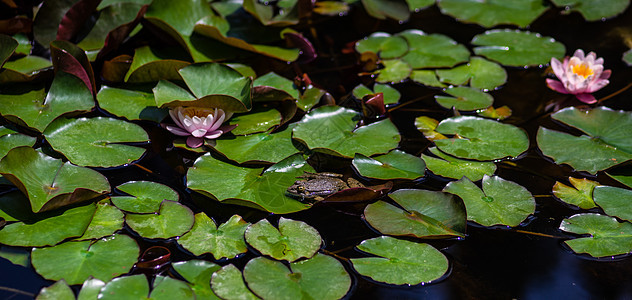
424, 214
391, 95
281, 13
465, 98
255, 121
96, 141
393, 165
225, 241
228, 283
494, 12
626, 180
605, 144
265, 146
627, 57
146, 196
400, 261
608, 237
416, 5
10, 139
272, 87
249, 186
432, 50
479, 72
7, 46
394, 71
16, 255
382, 9
107, 219
90, 289
131, 104
427, 126
387, 46
581, 194
58, 291
77, 261
517, 48
293, 239
500, 113
110, 18
56, 183
452, 167
331, 129
151, 64
137, 287
426, 77
169, 288
331, 8
595, 10
614, 201
173, 219
198, 275
320, 277
499, 202
481, 139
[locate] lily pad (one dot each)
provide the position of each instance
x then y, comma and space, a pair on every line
428, 127
517, 48
626, 180
391, 95
394, 71
452, 167
273, 87
393, 165
465, 98
595, 10
107, 219
383, 44
423, 214
627, 57
608, 236
500, 202
614, 201
320, 277
293, 239
225, 241
331, 129
382, 9
249, 186
400, 261
481, 139
137, 287
77, 261
580, 194
605, 144
228, 283
479, 72
146, 196
255, 121
7, 46
426, 77
56, 183
90, 289
265, 146
10, 139
71, 223
150, 65
173, 219
96, 141
57, 291
493, 12
198, 275
432, 50
131, 104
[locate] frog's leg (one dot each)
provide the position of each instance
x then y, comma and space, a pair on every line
353, 183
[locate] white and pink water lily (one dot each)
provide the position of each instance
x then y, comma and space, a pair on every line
199, 123
580, 75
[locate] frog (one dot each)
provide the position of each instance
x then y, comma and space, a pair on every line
315, 187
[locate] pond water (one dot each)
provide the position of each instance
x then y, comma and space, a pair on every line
526, 262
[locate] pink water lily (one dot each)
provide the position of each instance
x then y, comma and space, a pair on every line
580, 75
199, 123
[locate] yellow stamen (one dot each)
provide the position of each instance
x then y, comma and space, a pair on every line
582, 70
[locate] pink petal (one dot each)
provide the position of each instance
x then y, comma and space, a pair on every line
177, 130
199, 133
597, 85
586, 98
557, 67
215, 134
605, 74
194, 142
228, 128
174, 117
556, 86
579, 53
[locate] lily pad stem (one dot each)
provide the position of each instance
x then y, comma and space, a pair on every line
615, 93
336, 255
8, 289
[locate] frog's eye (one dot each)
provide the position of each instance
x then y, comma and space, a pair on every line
300, 189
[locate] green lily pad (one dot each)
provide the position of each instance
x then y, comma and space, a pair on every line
146, 196
225, 241
255, 121
16, 255
626, 180
293, 239
281, 13
465, 98
400, 261
452, 167
320, 277
56, 183
394, 71
614, 201
10, 139
7, 46
15, 206
481, 139
580, 194
28, 65
500, 202
479, 72
383, 44
37, 109
71, 223
382, 9
151, 64
110, 17
173, 219
517, 48
595, 10
249, 186
432, 50
265, 146
90, 289
627, 57
426, 77
273, 87
137, 287
331, 129
499, 113
96, 141
228, 283
423, 214
427, 126
391, 95
393, 165
417, 5
493, 12
198, 275
57, 291
107, 219
605, 144
77, 261
607, 237
131, 104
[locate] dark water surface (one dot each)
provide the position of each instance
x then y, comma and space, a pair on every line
528, 262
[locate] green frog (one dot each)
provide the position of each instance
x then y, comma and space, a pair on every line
317, 186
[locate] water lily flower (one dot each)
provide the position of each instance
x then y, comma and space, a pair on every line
580, 75
199, 123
